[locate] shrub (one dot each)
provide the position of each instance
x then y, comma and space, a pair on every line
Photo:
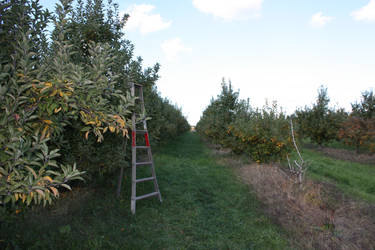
320, 123
37, 105
366, 108
359, 132
263, 135
219, 114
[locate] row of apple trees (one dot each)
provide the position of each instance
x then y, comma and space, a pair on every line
65, 104
262, 134
265, 134
323, 124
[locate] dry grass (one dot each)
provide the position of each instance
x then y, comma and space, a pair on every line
318, 215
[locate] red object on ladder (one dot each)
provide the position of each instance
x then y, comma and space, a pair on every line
147, 140
133, 138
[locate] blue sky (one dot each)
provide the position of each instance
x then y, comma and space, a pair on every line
270, 49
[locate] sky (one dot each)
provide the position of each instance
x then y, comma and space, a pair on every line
269, 49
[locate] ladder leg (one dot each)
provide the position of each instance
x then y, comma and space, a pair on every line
134, 177
134, 159
156, 186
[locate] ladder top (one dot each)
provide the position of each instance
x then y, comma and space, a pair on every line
138, 85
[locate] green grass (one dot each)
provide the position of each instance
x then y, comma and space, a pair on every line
355, 179
204, 207
338, 145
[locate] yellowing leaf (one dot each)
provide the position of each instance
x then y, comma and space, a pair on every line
40, 192
105, 129
57, 110
112, 129
44, 132
54, 92
54, 190
48, 178
87, 135
61, 93
44, 89
48, 84
47, 121
32, 171
23, 197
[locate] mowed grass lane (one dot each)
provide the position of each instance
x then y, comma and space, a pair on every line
204, 207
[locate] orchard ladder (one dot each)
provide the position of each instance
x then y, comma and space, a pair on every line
136, 163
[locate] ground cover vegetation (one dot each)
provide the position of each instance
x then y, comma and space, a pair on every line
65, 100
204, 207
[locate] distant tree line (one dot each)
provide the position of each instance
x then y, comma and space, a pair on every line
265, 134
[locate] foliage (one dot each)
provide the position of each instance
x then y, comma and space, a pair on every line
161, 110
91, 23
262, 134
359, 129
366, 108
359, 132
28, 170
320, 123
219, 114
58, 102
19, 16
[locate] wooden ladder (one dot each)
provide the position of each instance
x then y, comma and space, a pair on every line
147, 147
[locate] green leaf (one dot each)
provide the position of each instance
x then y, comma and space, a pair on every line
66, 186
85, 129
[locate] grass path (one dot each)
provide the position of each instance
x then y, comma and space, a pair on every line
353, 178
204, 207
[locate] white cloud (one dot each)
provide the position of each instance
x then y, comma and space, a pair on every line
230, 10
142, 19
366, 13
318, 20
173, 47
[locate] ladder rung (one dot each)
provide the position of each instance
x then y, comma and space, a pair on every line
140, 131
145, 147
145, 179
143, 163
146, 196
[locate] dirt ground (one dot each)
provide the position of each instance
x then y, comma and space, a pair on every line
317, 215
